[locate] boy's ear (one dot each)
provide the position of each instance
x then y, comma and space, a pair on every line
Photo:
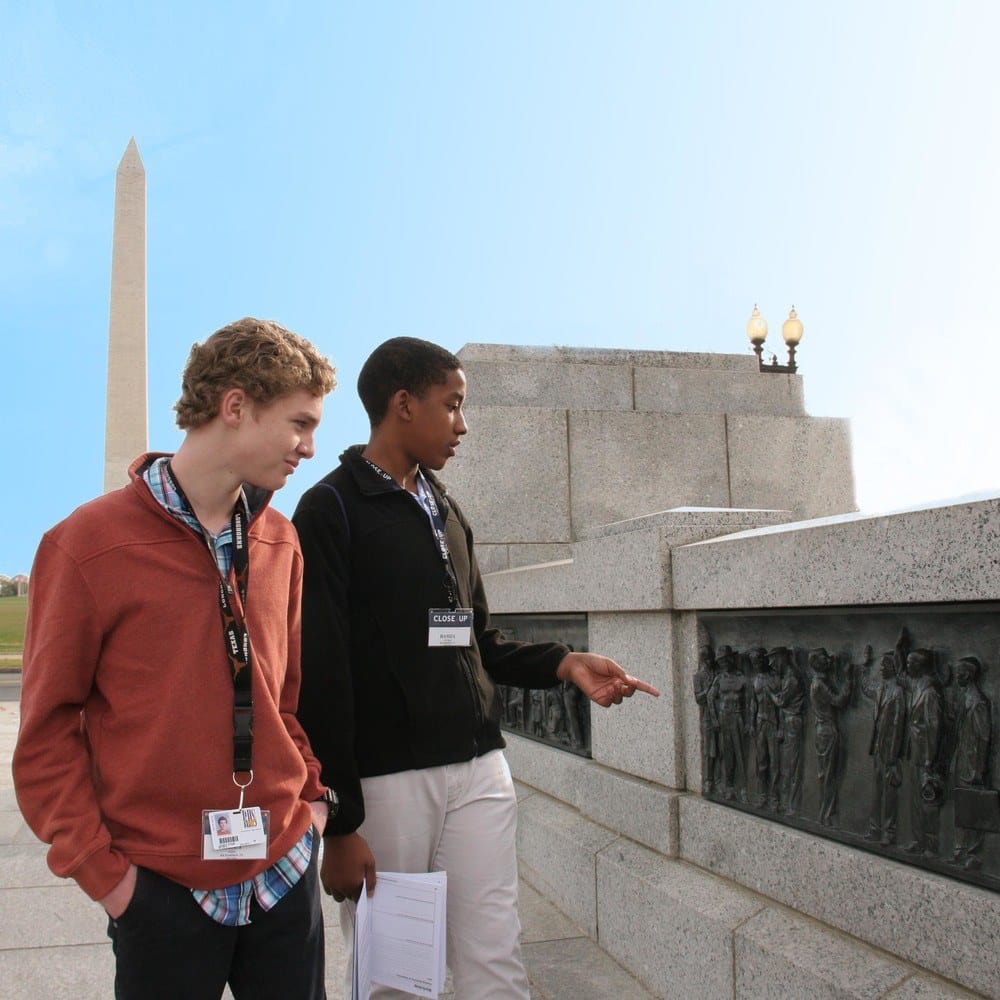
233, 407
399, 405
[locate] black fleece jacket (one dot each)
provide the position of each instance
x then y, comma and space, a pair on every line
375, 698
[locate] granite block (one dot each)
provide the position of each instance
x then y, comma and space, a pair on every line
541, 920
47, 917
606, 356
492, 558
623, 566
641, 810
921, 987
535, 589
626, 464
498, 558
799, 463
585, 582
555, 772
523, 791
11, 826
683, 525
941, 925
511, 475
779, 955
83, 972
638, 552
551, 386
556, 848
336, 948
581, 970
24, 867
629, 571
685, 666
679, 390
535, 553
944, 554
642, 735
25, 835
670, 925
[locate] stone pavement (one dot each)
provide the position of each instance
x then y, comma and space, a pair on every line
53, 940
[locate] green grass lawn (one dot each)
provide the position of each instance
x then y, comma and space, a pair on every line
13, 614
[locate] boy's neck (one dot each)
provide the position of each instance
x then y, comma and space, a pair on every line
211, 489
393, 460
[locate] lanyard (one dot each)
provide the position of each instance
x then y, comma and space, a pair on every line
429, 505
235, 635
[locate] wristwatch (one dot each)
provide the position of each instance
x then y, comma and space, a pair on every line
331, 800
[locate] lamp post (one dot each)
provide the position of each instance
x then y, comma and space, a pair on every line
791, 331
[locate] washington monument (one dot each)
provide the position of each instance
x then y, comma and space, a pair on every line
126, 430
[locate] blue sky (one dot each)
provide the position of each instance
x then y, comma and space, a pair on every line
591, 174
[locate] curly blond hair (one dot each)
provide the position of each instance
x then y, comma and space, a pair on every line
258, 356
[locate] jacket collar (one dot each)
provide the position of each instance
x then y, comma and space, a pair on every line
370, 483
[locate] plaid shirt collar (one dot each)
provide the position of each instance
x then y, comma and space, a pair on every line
161, 484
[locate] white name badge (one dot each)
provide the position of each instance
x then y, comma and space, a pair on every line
449, 627
234, 834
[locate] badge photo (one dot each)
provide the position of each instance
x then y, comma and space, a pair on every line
229, 834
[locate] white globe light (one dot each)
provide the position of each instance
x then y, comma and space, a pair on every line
757, 327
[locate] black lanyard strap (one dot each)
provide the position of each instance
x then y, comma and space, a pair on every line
238, 642
235, 636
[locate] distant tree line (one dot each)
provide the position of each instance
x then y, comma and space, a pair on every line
8, 587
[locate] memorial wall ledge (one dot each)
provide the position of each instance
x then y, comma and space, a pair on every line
721, 519
480, 353
592, 387
932, 921
732, 869
942, 554
622, 566
642, 810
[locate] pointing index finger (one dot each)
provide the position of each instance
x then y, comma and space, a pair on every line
638, 685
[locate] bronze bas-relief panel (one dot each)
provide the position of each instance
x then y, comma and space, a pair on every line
558, 716
877, 728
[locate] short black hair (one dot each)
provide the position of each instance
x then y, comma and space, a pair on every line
402, 363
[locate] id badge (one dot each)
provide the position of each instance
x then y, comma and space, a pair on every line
234, 834
449, 627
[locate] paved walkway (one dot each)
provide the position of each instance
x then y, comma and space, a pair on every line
53, 941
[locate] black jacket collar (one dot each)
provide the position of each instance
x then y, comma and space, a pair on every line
370, 483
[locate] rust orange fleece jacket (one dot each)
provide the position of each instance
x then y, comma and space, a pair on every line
127, 694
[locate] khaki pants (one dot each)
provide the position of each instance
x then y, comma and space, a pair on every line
461, 819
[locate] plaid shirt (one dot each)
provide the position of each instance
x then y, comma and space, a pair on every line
230, 905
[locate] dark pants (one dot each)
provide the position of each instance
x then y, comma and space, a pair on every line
167, 947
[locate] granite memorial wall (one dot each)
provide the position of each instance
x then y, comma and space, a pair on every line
820, 850
688, 506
